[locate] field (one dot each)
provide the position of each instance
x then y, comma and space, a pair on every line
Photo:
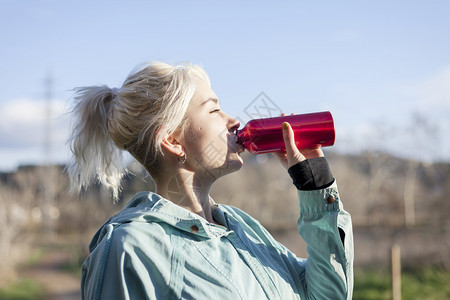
44, 239
423, 284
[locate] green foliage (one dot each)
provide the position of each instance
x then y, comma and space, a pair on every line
23, 289
372, 286
424, 284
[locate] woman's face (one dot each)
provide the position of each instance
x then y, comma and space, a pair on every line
210, 141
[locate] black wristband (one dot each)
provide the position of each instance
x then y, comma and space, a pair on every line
311, 174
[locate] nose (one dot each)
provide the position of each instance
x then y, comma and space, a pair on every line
233, 124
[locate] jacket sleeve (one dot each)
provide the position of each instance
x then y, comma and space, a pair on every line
327, 230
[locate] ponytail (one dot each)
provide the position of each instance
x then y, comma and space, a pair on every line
94, 153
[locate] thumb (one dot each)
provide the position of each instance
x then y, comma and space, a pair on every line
289, 140
293, 155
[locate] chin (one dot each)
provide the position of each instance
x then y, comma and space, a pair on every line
235, 164
232, 165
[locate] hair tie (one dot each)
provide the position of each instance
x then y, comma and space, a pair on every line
114, 92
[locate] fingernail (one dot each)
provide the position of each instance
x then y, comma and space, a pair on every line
285, 125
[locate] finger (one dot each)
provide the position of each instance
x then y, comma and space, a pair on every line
280, 155
289, 140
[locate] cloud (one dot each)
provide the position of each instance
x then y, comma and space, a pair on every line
23, 127
390, 124
433, 92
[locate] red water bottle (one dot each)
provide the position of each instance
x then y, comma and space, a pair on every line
266, 135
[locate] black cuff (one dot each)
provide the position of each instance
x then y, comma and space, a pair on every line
311, 174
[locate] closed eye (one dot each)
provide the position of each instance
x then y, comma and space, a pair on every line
215, 110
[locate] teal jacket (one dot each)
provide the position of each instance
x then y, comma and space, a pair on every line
154, 249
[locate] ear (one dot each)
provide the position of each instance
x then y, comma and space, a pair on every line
172, 145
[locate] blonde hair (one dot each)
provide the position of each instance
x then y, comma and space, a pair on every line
151, 104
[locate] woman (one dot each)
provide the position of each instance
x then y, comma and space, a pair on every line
177, 243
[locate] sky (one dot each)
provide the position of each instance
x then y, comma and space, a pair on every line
382, 68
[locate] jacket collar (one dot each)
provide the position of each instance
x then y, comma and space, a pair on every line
150, 207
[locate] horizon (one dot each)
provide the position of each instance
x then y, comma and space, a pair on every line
381, 68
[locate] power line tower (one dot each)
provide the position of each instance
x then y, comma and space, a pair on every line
48, 120
49, 210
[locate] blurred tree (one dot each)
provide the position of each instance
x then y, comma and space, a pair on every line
423, 140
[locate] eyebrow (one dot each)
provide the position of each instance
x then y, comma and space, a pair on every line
215, 100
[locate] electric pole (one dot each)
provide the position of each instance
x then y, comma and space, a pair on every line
49, 210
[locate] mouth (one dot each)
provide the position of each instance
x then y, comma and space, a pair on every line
240, 148
236, 146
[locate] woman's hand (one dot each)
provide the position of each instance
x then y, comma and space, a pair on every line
293, 155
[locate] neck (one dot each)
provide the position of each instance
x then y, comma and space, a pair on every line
185, 189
